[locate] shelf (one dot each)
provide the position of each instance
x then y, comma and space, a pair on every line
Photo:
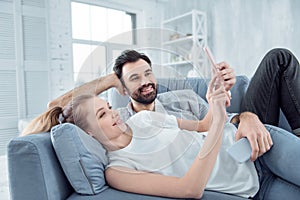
181, 17
184, 62
184, 44
182, 40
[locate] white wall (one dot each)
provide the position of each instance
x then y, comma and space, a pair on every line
149, 15
241, 32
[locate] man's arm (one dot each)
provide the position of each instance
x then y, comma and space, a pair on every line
251, 127
93, 87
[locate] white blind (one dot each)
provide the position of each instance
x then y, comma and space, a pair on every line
7, 42
8, 97
26, 60
34, 3
34, 37
8, 82
36, 92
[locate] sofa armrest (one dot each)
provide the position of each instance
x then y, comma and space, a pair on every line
34, 171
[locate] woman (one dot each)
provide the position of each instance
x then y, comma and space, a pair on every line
150, 154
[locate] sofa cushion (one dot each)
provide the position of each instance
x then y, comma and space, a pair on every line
82, 158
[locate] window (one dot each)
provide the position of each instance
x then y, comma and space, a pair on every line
97, 32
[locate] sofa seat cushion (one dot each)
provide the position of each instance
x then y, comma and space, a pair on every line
113, 194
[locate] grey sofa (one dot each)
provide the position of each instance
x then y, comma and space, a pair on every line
35, 172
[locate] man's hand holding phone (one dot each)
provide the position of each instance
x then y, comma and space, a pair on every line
227, 73
217, 71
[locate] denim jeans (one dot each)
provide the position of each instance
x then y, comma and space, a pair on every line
274, 86
278, 169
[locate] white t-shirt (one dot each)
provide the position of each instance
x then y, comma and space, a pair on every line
159, 146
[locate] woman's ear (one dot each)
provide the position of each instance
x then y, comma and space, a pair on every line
125, 91
90, 133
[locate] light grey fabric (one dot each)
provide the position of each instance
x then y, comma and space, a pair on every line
82, 158
185, 104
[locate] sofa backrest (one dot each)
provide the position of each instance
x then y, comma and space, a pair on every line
198, 85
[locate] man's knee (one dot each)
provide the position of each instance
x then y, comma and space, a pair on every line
279, 53
279, 58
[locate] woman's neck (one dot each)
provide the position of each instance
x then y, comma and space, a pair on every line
120, 142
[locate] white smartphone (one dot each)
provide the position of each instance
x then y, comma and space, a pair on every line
240, 150
211, 59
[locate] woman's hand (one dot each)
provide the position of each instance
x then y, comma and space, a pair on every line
217, 91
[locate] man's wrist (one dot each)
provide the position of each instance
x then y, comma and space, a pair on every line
245, 115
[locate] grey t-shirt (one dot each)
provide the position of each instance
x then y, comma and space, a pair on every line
184, 104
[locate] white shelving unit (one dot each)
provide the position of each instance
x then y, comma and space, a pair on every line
184, 37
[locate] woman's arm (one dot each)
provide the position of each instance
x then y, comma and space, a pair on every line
193, 183
196, 125
93, 87
204, 124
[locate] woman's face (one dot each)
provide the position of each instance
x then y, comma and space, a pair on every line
105, 124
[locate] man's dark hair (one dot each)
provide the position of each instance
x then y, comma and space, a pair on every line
128, 56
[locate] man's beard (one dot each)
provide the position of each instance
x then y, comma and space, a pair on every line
144, 99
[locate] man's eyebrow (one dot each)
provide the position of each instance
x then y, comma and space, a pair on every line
148, 70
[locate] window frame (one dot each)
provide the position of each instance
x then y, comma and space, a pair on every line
109, 46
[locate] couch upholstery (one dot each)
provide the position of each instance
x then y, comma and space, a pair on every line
35, 172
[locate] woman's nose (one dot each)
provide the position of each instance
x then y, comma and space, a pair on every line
115, 113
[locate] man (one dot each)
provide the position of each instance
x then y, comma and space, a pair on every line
133, 76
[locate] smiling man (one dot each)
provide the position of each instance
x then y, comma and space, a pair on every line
133, 76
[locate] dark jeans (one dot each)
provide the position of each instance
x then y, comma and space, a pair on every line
275, 85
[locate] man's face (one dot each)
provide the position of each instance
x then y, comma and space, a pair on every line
139, 80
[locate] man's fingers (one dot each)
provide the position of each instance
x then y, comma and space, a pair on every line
268, 140
255, 148
261, 144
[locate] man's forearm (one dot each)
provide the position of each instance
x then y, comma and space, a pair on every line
94, 87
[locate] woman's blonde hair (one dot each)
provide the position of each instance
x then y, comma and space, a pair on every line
71, 113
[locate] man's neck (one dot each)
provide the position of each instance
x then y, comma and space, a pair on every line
137, 107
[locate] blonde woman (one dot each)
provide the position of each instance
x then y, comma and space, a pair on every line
157, 154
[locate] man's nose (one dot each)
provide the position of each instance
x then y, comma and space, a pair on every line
145, 80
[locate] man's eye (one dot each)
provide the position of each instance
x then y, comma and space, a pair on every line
148, 73
134, 78
110, 107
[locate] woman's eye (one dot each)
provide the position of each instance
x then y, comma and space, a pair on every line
102, 114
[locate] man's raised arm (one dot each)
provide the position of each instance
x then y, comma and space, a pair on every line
93, 87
